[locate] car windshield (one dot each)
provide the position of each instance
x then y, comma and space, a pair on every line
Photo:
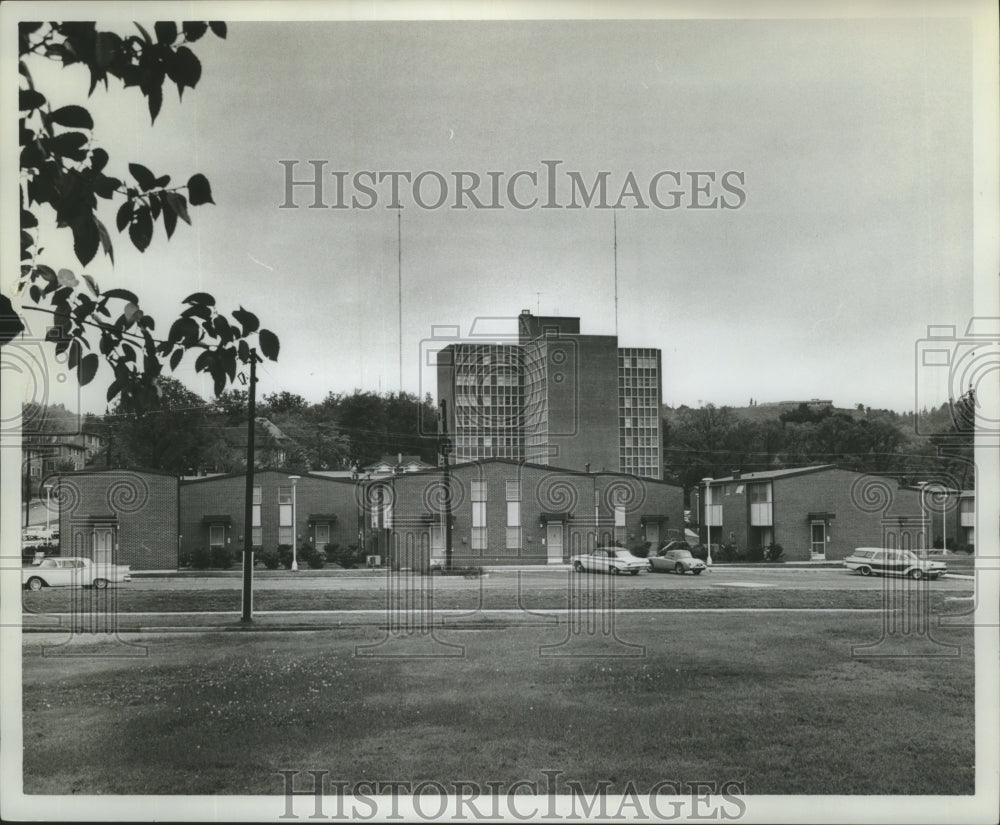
682, 554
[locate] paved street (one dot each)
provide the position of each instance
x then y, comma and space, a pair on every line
718, 577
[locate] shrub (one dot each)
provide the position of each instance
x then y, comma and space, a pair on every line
640, 549
755, 554
347, 557
727, 552
269, 558
774, 551
311, 556
201, 558
700, 551
938, 543
221, 557
284, 552
184, 558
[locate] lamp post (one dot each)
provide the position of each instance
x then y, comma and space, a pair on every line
921, 487
48, 512
708, 522
295, 561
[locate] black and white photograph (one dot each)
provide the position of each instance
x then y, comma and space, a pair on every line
529, 411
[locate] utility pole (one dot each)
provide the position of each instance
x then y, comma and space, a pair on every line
247, 615
445, 448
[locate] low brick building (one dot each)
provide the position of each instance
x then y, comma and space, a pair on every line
820, 512
212, 510
122, 516
509, 512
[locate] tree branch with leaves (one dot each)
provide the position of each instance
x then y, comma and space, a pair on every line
63, 172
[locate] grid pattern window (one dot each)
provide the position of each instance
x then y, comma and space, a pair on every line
488, 401
284, 515
620, 523
216, 535
256, 537
513, 540
536, 412
639, 399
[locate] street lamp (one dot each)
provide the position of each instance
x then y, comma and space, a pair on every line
708, 522
295, 562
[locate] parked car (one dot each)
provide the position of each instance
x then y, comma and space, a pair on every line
675, 560
609, 559
886, 561
73, 572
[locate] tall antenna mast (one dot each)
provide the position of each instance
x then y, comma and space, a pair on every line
399, 282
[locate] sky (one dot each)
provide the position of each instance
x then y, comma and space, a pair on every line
853, 139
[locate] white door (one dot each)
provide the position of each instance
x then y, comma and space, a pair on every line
103, 545
554, 541
818, 540
653, 534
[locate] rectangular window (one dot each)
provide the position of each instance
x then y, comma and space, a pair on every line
619, 515
478, 523
513, 491
478, 491
285, 515
513, 538
256, 537
513, 513
216, 535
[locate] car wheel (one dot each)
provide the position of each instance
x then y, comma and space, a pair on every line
633, 572
578, 567
35, 583
865, 570
679, 568
916, 574
614, 570
100, 584
697, 572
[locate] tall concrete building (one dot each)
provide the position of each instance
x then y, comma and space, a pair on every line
555, 397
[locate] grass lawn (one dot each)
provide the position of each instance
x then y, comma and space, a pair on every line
771, 700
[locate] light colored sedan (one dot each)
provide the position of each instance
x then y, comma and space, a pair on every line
891, 562
73, 572
677, 560
615, 560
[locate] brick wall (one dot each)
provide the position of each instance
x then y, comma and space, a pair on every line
141, 507
547, 495
225, 496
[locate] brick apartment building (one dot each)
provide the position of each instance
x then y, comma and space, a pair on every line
509, 512
555, 397
317, 509
820, 512
122, 516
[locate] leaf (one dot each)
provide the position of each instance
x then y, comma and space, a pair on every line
124, 216
88, 368
269, 344
131, 312
141, 229
169, 221
154, 95
247, 320
66, 278
145, 178
29, 99
92, 284
106, 187
124, 294
102, 233
98, 160
74, 117
166, 32
85, 238
175, 358
199, 190
107, 46
114, 389
193, 30
75, 351
28, 219
184, 69
218, 28
178, 204
68, 144
200, 298
144, 33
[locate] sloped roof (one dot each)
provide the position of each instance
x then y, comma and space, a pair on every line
764, 475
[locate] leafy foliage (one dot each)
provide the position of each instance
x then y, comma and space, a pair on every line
64, 171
